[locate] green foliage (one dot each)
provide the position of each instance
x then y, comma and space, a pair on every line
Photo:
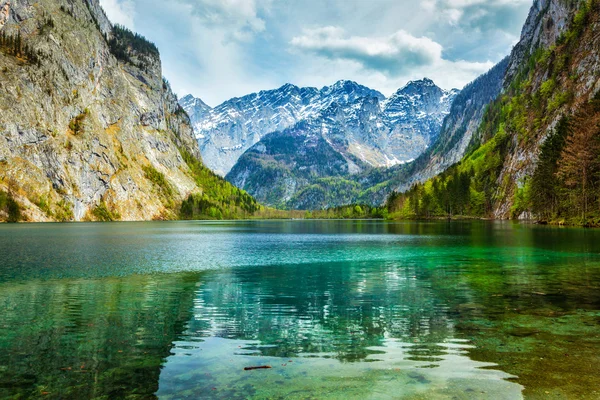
351, 211
200, 206
326, 192
521, 201
446, 195
76, 124
15, 46
219, 199
559, 100
64, 211
548, 87
44, 205
103, 214
164, 188
10, 207
544, 184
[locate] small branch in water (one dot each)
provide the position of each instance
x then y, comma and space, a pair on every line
260, 367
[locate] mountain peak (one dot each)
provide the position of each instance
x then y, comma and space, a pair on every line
187, 98
345, 83
420, 83
288, 86
347, 87
195, 102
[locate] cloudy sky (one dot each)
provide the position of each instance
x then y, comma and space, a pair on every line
218, 49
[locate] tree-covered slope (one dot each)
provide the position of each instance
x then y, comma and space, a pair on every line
537, 152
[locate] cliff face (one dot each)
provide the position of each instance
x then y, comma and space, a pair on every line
547, 19
561, 79
84, 134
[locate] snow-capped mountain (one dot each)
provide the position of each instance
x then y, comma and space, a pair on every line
362, 132
392, 131
228, 130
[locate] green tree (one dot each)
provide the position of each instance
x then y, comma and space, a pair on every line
545, 187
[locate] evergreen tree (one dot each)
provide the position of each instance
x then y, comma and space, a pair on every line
544, 185
579, 162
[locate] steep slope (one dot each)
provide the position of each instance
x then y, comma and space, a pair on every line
366, 133
537, 152
227, 131
88, 128
559, 79
463, 121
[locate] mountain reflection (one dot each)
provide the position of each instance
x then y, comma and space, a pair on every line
86, 339
373, 322
339, 309
416, 310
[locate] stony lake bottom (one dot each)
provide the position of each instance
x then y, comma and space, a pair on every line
337, 309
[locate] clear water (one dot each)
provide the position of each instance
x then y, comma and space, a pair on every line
337, 309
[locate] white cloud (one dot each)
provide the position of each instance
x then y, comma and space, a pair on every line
453, 11
240, 18
393, 54
218, 49
120, 12
387, 61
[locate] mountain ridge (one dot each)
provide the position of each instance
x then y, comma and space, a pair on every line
226, 131
367, 132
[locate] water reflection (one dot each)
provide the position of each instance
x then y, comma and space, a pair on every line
90, 339
381, 326
342, 309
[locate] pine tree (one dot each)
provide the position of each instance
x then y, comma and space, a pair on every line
544, 187
18, 45
579, 162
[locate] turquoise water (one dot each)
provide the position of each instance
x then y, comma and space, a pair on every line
337, 309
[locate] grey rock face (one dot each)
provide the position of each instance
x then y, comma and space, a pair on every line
78, 129
547, 19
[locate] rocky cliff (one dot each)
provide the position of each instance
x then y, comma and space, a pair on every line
88, 129
554, 72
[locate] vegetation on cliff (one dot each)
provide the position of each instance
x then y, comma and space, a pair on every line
563, 184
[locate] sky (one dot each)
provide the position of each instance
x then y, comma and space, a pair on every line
219, 49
